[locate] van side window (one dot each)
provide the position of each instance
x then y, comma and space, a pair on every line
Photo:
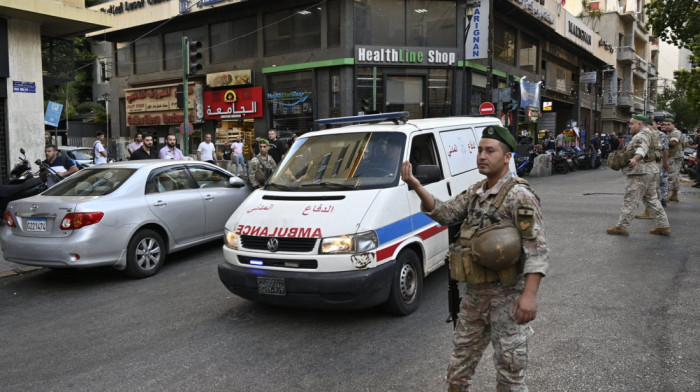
423, 152
460, 146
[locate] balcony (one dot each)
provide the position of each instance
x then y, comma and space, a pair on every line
638, 103
652, 70
626, 55
624, 99
640, 67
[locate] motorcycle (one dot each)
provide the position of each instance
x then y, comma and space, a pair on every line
23, 183
523, 164
560, 163
688, 153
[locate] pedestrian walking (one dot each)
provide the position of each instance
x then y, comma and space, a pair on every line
675, 157
99, 153
502, 282
146, 151
206, 151
644, 152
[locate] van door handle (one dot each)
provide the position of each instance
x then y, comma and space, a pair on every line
160, 203
449, 189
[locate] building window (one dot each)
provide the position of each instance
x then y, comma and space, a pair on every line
527, 54
147, 55
292, 30
233, 40
504, 43
333, 8
290, 97
405, 23
335, 96
439, 92
123, 52
595, 5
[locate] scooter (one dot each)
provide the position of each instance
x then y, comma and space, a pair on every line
23, 183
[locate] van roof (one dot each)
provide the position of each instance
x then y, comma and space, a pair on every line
410, 125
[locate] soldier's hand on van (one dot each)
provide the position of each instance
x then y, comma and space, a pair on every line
407, 175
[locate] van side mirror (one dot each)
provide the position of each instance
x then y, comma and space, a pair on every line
428, 174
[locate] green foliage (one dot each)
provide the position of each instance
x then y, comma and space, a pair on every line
677, 101
674, 21
93, 109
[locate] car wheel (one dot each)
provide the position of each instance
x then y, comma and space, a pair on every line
407, 284
145, 254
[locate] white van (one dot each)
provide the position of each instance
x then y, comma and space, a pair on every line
336, 227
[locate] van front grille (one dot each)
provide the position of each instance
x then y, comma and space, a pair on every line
285, 244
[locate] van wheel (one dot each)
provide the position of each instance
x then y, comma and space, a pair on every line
145, 254
407, 285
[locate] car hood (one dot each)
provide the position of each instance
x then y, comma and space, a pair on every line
301, 215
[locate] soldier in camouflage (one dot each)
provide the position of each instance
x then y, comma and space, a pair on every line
260, 165
676, 141
662, 183
495, 309
645, 152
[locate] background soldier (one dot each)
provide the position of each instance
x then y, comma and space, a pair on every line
675, 157
644, 152
501, 296
261, 165
662, 186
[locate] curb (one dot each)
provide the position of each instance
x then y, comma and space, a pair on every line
19, 271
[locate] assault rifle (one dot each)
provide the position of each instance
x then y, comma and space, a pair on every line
453, 298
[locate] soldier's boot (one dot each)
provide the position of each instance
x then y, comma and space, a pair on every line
644, 215
661, 231
457, 388
674, 196
663, 203
617, 230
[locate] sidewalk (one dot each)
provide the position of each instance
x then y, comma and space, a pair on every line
8, 268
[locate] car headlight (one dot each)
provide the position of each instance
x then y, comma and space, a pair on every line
351, 243
231, 239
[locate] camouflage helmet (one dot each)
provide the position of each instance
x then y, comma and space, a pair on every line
497, 246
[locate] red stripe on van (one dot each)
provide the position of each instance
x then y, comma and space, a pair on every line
386, 253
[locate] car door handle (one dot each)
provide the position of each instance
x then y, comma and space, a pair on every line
208, 197
160, 203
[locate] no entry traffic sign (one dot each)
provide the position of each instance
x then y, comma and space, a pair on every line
487, 108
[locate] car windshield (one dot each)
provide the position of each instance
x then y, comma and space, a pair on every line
346, 161
81, 155
91, 182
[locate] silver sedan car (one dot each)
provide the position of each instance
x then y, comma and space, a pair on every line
128, 215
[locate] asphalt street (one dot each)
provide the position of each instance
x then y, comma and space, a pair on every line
615, 314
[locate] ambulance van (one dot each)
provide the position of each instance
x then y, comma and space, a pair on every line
336, 227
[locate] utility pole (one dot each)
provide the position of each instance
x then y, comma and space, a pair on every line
185, 93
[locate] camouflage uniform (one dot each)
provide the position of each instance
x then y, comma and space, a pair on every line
675, 159
259, 162
642, 179
662, 189
486, 309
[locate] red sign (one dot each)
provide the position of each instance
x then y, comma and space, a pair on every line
487, 108
233, 103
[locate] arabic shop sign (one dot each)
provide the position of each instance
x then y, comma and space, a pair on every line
233, 103
229, 78
536, 9
404, 56
129, 6
155, 99
163, 118
290, 102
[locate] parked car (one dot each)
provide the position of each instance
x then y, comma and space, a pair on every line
81, 156
128, 215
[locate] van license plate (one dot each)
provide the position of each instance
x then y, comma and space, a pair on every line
271, 286
36, 224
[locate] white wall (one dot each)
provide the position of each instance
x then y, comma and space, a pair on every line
25, 111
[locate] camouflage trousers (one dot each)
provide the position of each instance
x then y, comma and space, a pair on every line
662, 187
641, 187
674, 173
486, 316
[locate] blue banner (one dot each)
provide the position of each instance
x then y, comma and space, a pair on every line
53, 114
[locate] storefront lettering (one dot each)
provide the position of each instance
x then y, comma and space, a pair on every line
534, 8
142, 120
155, 93
405, 56
579, 33
130, 6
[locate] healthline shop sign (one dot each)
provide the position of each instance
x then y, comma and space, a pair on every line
405, 56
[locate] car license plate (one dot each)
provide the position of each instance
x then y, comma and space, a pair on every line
36, 224
271, 286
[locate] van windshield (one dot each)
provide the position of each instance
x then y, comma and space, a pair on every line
338, 162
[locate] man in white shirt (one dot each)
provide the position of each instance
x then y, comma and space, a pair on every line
206, 151
98, 150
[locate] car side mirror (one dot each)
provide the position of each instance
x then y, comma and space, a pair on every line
236, 182
428, 174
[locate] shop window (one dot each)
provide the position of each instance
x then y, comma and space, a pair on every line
405, 23
335, 95
147, 55
504, 43
292, 30
439, 93
123, 52
290, 98
559, 78
233, 40
527, 54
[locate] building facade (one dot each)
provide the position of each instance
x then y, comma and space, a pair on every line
281, 65
25, 29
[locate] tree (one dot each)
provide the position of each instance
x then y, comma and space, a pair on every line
674, 21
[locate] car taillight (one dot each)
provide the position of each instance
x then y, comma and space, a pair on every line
9, 220
76, 220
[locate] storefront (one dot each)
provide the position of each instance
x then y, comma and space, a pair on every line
232, 109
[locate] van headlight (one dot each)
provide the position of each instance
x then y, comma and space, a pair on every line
351, 243
231, 239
